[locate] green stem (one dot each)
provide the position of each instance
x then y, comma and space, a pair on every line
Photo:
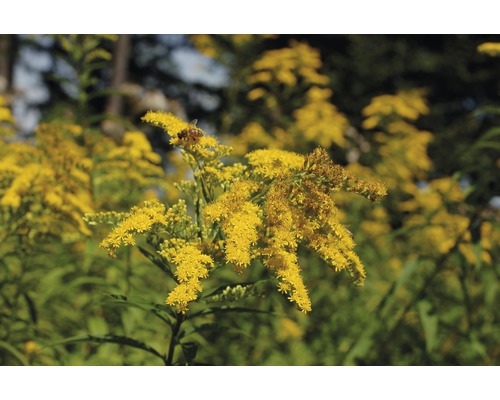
174, 339
128, 271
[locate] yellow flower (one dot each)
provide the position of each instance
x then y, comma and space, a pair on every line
239, 221
284, 265
320, 122
139, 220
274, 162
191, 266
6, 115
253, 135
261, 76
288, 329
406, 104
263, 211
489, 48
241, 230
31, 347
204, 44
288, 64
20, 186
6, 119
256, 93
172, 124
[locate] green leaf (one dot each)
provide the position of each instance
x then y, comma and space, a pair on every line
409, 268
189, 349
207, 327
429, 323
158, 262
486, 110
31, 307
97, 325
227, 309
487, 140
145, 305
477, 346
13, 351
359, 350
122, 340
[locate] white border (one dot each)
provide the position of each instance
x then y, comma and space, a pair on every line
256, 16
249, 382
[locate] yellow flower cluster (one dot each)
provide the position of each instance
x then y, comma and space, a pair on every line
239, 221
281, 245
214, 46
184, 135
191, 266
299, 208
6, 119
254, 136
277, 76
490, 48
439, 224
125, 171
287, 65
402, 147
172, 124
319, 121
173, 231
47, 187
405, 104
400, 160
201, 152
264, 210
204, 44
273, 163
139, 220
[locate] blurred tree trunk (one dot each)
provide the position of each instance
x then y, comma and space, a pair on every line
114, 105
120, 67
6, 62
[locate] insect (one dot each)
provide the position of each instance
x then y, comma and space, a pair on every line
191, 134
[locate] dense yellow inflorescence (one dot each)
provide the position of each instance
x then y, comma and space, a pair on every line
264, 210
277, 76
191, 266
434, 216
44, 189
287, 65
64, 172
239, 221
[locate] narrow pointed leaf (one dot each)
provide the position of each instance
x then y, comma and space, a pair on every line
156, 309
122, 340
14, 352
158, 262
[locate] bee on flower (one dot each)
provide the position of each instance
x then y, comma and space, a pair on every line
191, 134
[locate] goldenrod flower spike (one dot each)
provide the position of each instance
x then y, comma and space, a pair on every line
239, 221
181, 132
261, 211
140, 220
192, 265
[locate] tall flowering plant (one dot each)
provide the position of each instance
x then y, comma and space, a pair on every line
240, 216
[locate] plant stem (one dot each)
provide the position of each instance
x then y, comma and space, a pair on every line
128, 270
174, 339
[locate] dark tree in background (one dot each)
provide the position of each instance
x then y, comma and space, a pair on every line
6, 62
